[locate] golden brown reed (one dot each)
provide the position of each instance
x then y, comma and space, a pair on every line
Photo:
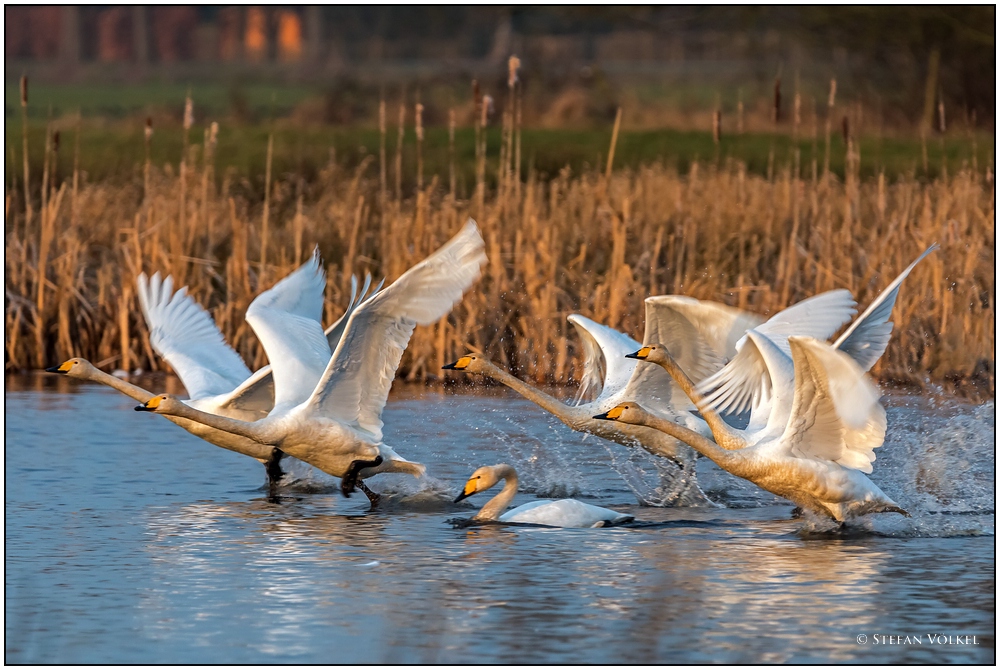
593, 243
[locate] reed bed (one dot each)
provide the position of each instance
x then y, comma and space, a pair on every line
597, 243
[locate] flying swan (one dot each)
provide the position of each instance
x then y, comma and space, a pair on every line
217, 381
331, 419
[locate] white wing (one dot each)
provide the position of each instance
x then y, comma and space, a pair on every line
605, 365
743, 379
355, 385
286, 319
184, 334
700, 335
836, 415
566, 513
865, 341
257, 392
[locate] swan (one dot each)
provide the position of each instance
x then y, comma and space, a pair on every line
332, 419
217, 381
703, 332
565, 513
817, 454
745, 383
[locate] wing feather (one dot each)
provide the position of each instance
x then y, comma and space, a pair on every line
605, 367
356, 382
739, 382
286, 319
184, 334
836, 414
867, 338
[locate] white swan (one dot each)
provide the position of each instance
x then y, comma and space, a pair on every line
704, 334
332, 419
217, 381
565, 513
745, 383
817, 458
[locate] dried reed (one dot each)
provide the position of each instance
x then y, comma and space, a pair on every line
597, 243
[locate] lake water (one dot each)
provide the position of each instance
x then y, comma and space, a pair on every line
130, 541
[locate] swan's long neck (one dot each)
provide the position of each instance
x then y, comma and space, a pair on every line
120, 385
256, 430
722, 457
131, 390
721, 431
540, 398
492, 510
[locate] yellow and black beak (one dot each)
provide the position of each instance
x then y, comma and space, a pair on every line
611, 415
642, 354
470, 488
460, 364
150, 405
60, 369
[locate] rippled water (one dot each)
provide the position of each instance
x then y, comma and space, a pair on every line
130, 541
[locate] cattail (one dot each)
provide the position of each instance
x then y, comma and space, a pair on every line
149, 129
419, 113
941, 124
381, 150
487, 110
28, 210
845, 129
739, 115
188, 113
777, 100
55, 142
451, 151
513, 65
717, 125
213, 135
833, 94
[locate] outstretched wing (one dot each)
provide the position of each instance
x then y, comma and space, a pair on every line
355, 385
836, 415
865, 341
735, 387
605, 369
184, 334
286, 319
257, 392
700, 335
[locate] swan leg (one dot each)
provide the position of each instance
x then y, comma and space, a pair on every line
350, 479
373, 497
897, 510
798, 513
273, 469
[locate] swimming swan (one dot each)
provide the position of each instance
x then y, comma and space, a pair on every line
332, 419
817, 456
566, 513
215, 377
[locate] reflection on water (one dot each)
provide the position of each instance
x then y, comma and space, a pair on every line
128, 540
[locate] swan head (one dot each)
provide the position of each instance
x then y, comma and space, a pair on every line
626, 412
74, 367
467, 363
482, 479
654, 353
160, 404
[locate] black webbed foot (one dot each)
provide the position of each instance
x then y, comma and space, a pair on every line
798, 513
373, 497
350, 479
